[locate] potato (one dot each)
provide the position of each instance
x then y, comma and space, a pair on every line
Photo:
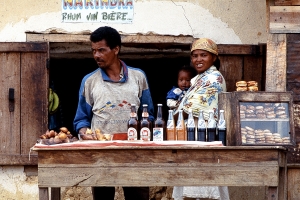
62, 135
64, 129
57, 140
51, 133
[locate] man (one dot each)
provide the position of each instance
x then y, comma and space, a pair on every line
105, 97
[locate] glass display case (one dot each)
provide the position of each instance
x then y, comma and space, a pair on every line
258, 118
264, 123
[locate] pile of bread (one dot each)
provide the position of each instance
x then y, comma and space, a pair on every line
263, 110
258, 136
246, 86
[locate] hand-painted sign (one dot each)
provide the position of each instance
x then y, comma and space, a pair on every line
110, 11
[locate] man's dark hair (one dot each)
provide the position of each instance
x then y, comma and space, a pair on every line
109, 34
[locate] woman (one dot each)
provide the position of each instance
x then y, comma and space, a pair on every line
203, 95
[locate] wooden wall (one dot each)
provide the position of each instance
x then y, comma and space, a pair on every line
23, 112
283, 64
243, 62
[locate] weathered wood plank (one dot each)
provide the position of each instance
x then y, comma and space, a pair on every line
232, 69
9, 121
216, 174
225, 104
55, 193
276, 63
284, 19
293, 183
163, 157
269, 3
296, 107
17, 159
23, 47
264, 96
253, 69
294, 87
34, 98
293, 73
52, 37
43, 193
287, 2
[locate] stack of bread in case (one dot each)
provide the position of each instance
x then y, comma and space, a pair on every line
246, 86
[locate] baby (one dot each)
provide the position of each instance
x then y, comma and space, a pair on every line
174, 96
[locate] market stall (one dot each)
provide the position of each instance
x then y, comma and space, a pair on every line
167, 163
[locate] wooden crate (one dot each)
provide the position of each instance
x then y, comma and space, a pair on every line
253, 118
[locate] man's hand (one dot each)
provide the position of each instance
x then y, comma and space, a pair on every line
82, 130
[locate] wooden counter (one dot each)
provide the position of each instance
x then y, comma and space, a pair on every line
161, 165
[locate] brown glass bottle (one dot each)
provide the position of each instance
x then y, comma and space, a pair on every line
180, 127
171, 128
201, 127
145, 125
190, 127
221, 128
132, 132
159, 129
211, 128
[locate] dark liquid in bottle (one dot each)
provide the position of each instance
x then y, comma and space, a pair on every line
222, 136
211, 135
191, 133
201, 134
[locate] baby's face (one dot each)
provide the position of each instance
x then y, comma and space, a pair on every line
184, 80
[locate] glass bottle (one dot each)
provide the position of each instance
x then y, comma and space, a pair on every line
159, 129
171, 128
211, 127
145, 125
222, 128
180, 127
201, 128
132, 131
190, 127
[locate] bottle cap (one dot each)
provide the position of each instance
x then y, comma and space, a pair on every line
159, 104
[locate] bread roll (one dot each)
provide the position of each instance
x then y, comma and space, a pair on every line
252, 83
241, 89
252, 88
241, 84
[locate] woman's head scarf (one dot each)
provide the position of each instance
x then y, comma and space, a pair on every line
205, 44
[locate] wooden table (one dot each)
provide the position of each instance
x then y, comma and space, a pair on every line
162, 165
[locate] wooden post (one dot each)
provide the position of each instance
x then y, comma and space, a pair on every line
276, 63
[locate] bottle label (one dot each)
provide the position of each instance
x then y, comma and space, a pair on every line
132, 114
144, 114
201, 124
170, 124
221, 124
158, 134
145, 134
132, 133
